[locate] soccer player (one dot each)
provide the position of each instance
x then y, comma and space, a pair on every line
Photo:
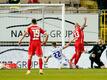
78, 34
96, 53
35, 32
56, 52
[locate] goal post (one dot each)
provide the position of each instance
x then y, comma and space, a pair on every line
49, 14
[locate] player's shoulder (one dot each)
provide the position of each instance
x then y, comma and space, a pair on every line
56, 49
29, 26
60, 48
34, 26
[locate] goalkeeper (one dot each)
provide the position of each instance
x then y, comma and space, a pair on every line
96, 53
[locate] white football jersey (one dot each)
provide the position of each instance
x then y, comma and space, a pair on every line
57, 53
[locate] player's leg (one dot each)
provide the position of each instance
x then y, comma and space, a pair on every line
71, 61
73, 57
102, 65
99, 63
78, 54
60, 64
72, 65
30, 54
29, 63
92, 61
40, 61
40, 65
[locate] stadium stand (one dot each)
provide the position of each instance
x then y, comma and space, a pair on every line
71, 10
89, 4
72, 6
23, 1
3, 1
82, 10
13, 1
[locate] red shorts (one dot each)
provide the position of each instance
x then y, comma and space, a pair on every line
35, 48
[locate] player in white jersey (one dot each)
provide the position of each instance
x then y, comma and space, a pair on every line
56, 52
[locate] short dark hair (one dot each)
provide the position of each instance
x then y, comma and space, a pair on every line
34, 21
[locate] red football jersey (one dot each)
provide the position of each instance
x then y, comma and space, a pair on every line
77, 34
35, 32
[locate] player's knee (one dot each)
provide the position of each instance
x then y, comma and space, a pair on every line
29, 56
40, 57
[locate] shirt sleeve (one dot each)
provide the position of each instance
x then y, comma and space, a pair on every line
42, 31
92, 49
28, 29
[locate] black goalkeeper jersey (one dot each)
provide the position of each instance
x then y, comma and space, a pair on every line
97, 50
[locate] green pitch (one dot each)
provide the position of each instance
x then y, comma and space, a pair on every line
55, 74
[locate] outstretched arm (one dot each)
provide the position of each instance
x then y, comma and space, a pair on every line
25, 33
84, 25
68, 44
90, 51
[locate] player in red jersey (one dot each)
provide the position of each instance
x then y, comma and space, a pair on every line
35, 32
79, 42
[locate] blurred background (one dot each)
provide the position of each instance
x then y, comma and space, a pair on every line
76, 6
75, 10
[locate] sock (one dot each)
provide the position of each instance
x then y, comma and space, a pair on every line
77, 58
29, 64
40, 63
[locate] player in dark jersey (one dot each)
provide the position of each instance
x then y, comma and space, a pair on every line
96, 53
35, 32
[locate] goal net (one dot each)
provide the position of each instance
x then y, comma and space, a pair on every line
14, 18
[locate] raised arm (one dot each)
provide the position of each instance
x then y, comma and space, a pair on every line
84, 25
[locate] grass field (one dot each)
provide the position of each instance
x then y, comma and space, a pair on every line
55, 74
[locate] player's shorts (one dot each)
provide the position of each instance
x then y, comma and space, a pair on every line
35, 48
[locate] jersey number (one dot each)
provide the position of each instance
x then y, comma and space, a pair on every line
57, 54
76, 34
36, 34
